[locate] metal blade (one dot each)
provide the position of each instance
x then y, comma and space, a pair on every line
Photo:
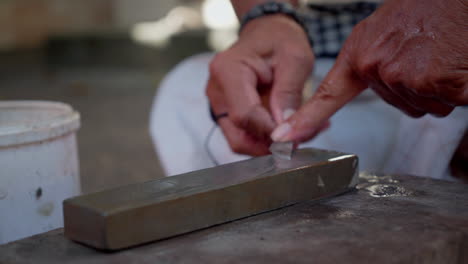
282, 150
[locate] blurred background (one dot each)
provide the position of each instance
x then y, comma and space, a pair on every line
106, 58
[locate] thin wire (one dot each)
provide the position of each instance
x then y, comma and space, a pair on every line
207, 144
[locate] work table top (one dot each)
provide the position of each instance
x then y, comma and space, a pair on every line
388, 219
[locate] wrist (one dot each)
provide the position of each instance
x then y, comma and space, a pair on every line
277, 10
272, 25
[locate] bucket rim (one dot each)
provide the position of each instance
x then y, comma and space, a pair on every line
32, 132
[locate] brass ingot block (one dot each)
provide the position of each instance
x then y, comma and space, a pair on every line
158, 209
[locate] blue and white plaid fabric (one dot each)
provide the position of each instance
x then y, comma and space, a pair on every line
329, 25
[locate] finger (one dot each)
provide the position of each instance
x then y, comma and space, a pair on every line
290, 75
238, 139
258, 122
241, 142
453, 94
463, 98
431, 106
396, 100
339, 86
239, 86
216, 97
422, 103
322, 128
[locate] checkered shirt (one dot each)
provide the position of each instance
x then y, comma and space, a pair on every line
329, 25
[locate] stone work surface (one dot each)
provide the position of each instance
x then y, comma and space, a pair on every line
389, 219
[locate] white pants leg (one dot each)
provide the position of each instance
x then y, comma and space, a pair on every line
378, 133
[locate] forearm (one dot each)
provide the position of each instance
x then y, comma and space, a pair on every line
243, 6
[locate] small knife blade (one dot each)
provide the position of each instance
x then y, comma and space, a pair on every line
282, 150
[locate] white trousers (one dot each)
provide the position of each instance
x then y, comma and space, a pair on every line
385, 139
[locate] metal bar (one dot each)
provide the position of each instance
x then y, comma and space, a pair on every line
144, 212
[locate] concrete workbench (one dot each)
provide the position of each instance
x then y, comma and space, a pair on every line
388, 219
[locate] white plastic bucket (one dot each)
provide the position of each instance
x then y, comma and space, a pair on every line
38, 166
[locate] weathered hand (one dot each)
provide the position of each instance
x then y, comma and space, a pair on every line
257, 79
413, 53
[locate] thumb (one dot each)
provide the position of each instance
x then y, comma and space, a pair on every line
290, 75
339, 86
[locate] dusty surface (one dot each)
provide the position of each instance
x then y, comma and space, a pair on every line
428, 224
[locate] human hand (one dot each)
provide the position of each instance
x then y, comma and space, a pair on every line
413, 53
459, 162
258, 79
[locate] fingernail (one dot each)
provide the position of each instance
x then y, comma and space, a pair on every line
280, 133
288, 113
